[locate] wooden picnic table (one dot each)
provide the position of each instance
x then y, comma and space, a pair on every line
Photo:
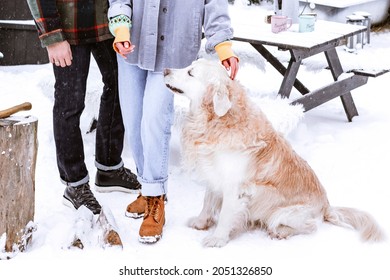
324, 39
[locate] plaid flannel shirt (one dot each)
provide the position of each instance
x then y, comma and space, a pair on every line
77, 21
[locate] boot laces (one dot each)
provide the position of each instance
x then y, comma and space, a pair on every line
86, 196
127, 175
153, 207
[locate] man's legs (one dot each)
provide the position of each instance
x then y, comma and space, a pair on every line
109, 130
69, 95
111, 174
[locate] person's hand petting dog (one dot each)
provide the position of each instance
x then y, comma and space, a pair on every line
231, 65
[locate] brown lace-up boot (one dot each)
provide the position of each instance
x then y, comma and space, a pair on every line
154, 220
136, 209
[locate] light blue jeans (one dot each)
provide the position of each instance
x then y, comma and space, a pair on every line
147, 111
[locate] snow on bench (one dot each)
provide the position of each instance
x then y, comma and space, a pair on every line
339, 4
370, 73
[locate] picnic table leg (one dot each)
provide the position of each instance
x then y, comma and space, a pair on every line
285, 88
289, 78
337, 70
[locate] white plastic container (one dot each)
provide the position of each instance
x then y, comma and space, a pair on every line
290, 8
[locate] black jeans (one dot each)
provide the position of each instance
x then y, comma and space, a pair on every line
69, 98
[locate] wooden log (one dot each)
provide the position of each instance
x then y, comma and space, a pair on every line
109, 228
18, 153
91, 230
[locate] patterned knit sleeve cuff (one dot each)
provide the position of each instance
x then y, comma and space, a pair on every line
119, 21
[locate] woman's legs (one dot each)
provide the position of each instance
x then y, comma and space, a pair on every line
147, 109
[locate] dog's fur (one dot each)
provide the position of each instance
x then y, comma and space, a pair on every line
253, 175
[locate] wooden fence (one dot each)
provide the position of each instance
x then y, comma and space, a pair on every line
19, 41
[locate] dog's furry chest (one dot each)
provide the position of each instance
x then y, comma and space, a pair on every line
220, 168
217, 154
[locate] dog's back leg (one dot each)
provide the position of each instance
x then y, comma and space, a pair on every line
293, 220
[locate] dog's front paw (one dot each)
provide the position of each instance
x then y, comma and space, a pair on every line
280, 233
215, 241
277, 235
198, 223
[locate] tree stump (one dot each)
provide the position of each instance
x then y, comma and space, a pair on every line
18, 153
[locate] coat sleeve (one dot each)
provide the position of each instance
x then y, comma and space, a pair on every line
120, 7
47, 21
119, 15
217, 24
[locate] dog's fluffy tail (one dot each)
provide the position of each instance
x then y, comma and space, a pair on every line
361, 221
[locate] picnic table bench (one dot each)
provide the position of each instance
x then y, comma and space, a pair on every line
339, 4
324, 39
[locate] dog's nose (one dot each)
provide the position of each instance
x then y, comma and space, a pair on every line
167, 72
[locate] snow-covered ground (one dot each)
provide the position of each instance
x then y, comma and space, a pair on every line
350, 158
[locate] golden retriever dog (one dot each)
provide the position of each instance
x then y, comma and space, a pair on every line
253, 175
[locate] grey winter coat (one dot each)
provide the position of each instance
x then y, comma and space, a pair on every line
168, 33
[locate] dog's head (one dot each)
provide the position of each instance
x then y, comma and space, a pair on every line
203, 82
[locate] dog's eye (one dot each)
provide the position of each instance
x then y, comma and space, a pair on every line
189, 73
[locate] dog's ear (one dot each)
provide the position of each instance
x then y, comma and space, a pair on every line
221, 100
